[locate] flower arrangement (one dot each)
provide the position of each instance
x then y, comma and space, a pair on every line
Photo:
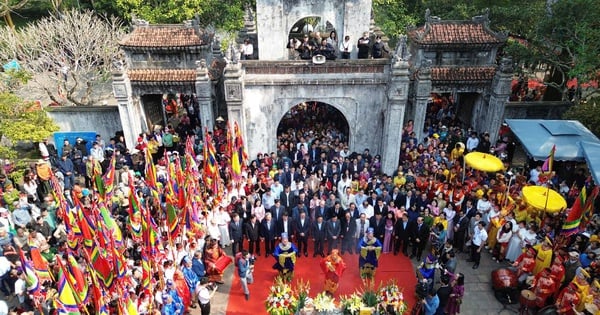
324, 302
369, 293
303, 291
390, 298
351, 304
281, 299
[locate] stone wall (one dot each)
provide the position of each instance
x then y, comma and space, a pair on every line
103, 120
535, 110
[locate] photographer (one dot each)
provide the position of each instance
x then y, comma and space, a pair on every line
245, 269
205, 294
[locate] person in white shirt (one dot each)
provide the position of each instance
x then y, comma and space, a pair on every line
247, 50
204, 295
21, 287
478, 243
472, 142
346, 47
367, 209
484, 206
5, 267
534, 174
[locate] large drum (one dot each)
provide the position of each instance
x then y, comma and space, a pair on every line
527, 299
504, 279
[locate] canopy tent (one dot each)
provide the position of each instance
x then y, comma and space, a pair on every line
538, 136
592, 156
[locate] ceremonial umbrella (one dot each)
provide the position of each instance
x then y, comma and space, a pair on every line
543, 198
484, 162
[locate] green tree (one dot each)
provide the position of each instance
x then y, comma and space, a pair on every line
22, 121
223, 14
588, 113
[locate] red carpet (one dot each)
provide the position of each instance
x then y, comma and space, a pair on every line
307, 268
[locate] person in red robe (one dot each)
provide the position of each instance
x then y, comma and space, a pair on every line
525, 264
557, 271
333, 266
214, 257
567, 300
543, 286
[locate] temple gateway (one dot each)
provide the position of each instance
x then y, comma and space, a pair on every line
440, 60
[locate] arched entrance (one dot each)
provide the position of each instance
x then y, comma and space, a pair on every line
313, 120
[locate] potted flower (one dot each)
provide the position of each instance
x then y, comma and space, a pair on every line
304, 302
369, 297
324, 303
391, 299
351, 304
281, 299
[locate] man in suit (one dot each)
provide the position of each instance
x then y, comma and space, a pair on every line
380, 208
302, 228
244, 209
461, 225
285, 225
268, 233
314, 154
402, 230
419, 237
320, 210
319, 234
277, 210
287, 199
336, 211
373, 199
362, 225
378, 225
408, 200
348, 232
252, 232
297, 209
334, 229
236, 234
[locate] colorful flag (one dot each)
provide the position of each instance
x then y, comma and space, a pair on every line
101, 265
172, 221
571, 225
77, 279
109, 178
588, 209
549, 162
150, 170
39, 264
135, 215
31, 279
67, 300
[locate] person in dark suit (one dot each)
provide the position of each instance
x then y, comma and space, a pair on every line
285, 225
419, 238
373, 199
297, 209
236, 233
319, 233
347, 234
335, 211
461, 225
380, 208
402, 230
320, 210
302, 228
421, 202
244, 209
277, 210
268, 233
334, 229
407, 200
252, 232
288, 199
314, 154
377, 223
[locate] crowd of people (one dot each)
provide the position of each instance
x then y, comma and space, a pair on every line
331, 47
311, 197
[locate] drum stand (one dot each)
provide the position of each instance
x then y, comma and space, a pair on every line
506, 306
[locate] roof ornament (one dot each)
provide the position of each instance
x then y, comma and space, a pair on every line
431, 18
402, 53
484, 18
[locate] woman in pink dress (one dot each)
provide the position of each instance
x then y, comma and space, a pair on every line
258, 210
389, 230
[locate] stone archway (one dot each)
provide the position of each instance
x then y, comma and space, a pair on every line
315, 116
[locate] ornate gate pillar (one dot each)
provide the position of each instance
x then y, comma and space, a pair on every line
394, 116
423, 94
130, 122
203, 96
234, 96
498, 98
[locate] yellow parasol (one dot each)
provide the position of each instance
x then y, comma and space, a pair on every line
543, 198
484, 162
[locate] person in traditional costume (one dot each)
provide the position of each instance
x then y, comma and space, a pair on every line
557, 269
191, 278
215, 261
333, 266
583, 287
458, 291
543, 286
369, 249
170, 307
524, 264
543, 258
567, 299
285, 257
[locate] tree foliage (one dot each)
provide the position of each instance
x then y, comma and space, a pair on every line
588, 113
22, 121
69, 54
222, 14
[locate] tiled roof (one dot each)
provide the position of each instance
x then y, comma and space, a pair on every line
161, 75
462, 74
162, 36
455, 33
